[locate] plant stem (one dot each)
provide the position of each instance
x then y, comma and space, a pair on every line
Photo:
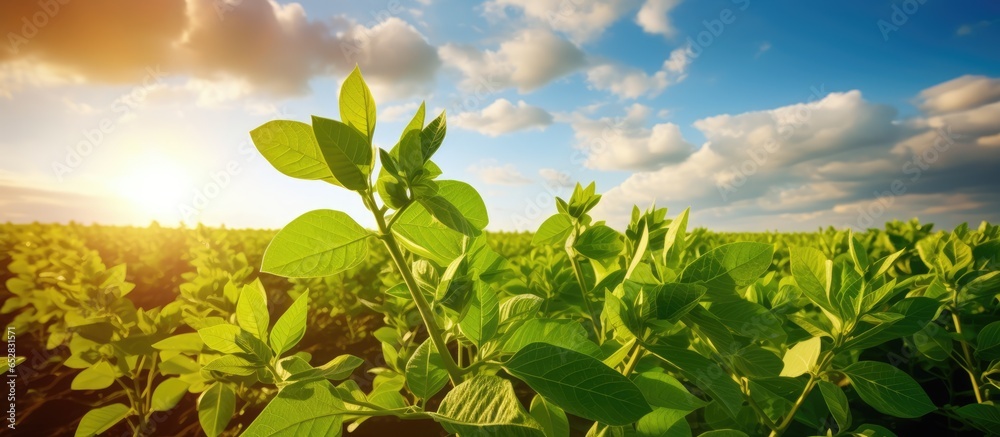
798, 403
148, 393
633, 361
423, 307
578, 272
972, 369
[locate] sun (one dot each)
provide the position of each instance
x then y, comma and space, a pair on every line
154, 184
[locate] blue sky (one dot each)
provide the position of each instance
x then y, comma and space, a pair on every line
791, 115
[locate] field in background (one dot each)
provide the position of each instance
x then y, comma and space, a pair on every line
190, 272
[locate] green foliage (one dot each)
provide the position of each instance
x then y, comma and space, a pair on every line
656, 329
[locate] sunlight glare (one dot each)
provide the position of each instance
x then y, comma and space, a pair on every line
155, 184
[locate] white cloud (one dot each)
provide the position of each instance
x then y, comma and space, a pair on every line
530, 59
494, 174
830, 161
271, 48
556, 178
959, 94
967, 29
626, 143
582, 20
654, 17
395, 57
631, 83
762, 48
402, 112
502, 117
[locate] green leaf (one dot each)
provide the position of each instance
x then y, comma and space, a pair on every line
986, 417
917, 313
485, 406
291, 148
579, 384
347, 152
221, 338
97, 377
318, 243
809, 268
934, 343
230, 339
860, 257
663, 422
847, 299
728, 267
301, 409
599, 242
564, 333
168, 394
704, 373
888, 389
459, 207
836, 402
233, 365
251, 310
101, 419
876, 334
664, 391
801, 358
756, 362
357, 106
291, 326
411, 162
422, 234
432, 136
988, 342
749, 319
886, 263
870, 430
341, 367
553, 230
425, 371
482, 315
723, 433
674, 300
520, 306
675, 240
189, 342
215, 408
551, 418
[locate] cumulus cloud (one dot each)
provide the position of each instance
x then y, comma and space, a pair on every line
494, 174
556, 178
835, 160
529, 60
626, 143
629, 82
502, 117
402, 112
582, 20
274, 48
959, 94
654, 17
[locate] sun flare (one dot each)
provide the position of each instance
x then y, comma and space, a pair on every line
154, 184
